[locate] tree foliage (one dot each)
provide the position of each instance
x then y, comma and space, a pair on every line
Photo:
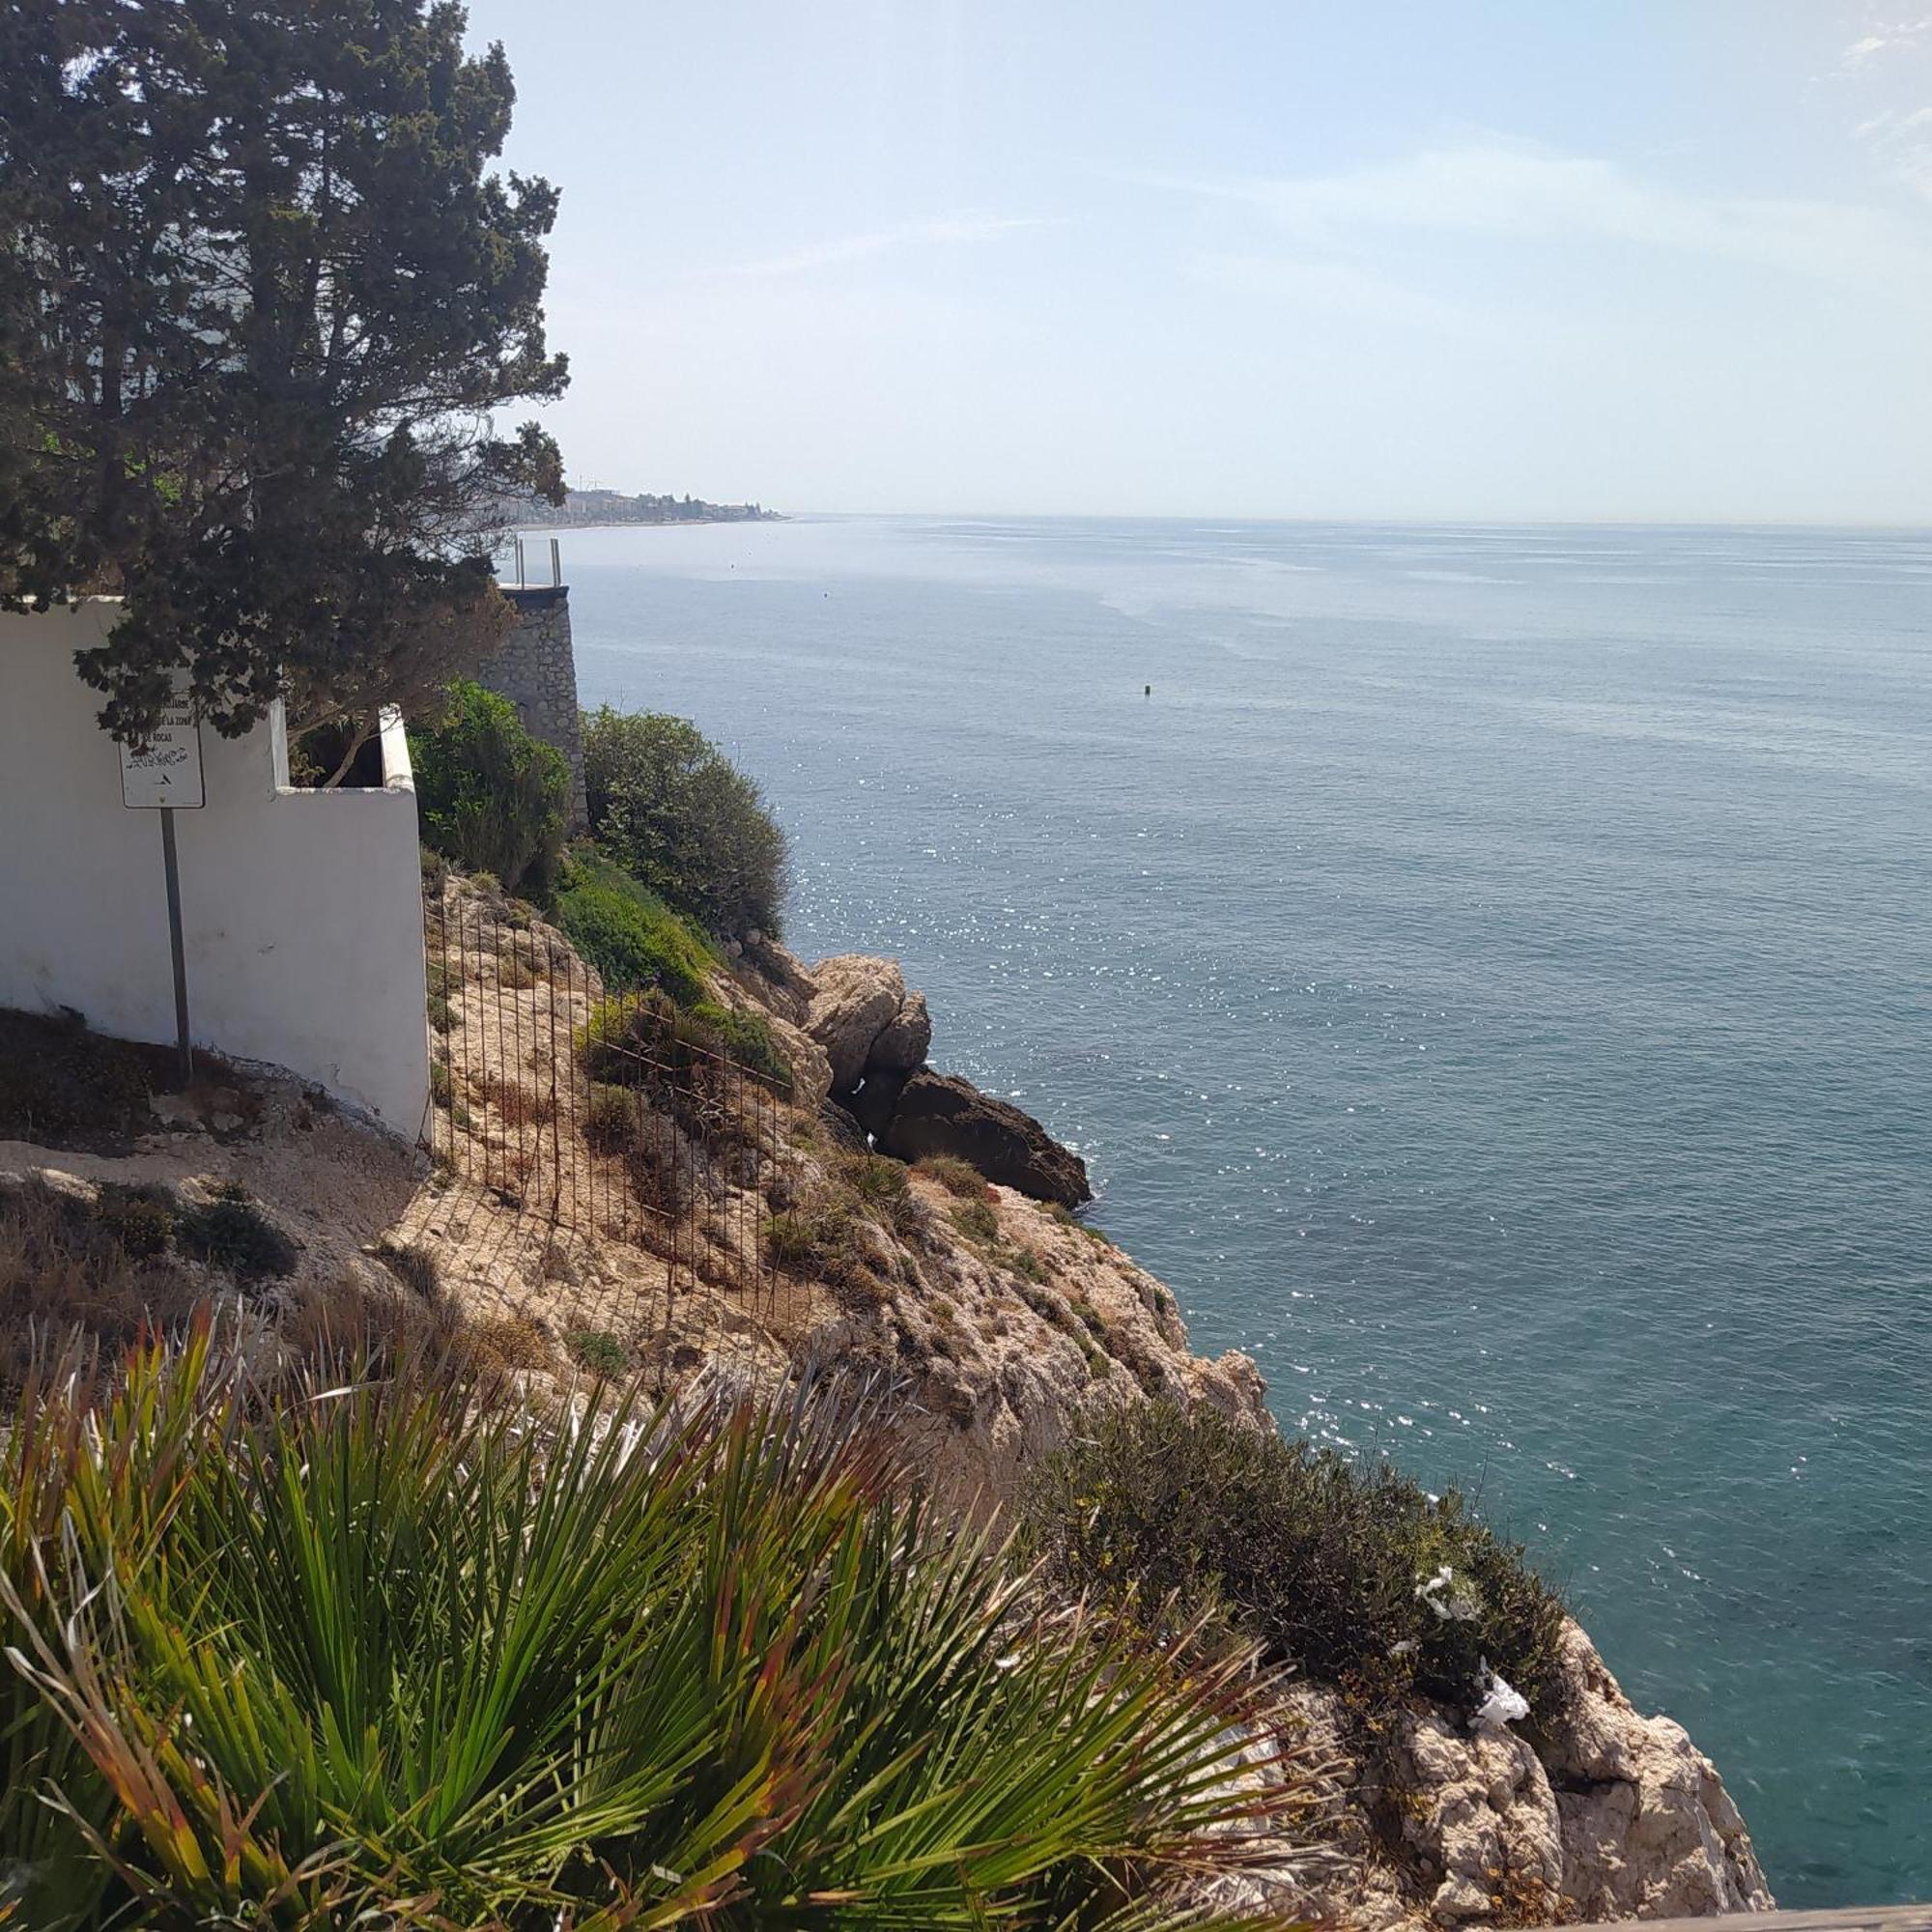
260, 297
490, 797
683, 821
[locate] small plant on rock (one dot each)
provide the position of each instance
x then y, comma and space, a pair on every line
140, 1219
599, 1352
610, 1117
819, 1240
954, 1175
232, 1234
976, 1221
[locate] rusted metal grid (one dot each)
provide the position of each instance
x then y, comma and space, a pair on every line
613, 1116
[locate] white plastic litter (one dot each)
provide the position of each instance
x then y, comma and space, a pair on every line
1502, 1704
1453, 1602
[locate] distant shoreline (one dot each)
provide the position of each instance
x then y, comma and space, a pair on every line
646, 524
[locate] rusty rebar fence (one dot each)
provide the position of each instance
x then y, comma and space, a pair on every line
613, 1116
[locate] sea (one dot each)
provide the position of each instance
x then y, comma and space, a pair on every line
1488, 973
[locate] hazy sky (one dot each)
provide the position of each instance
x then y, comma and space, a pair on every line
1562, 258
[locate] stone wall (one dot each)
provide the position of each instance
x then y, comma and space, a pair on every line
536, 671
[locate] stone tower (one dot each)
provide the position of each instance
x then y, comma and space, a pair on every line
536, 670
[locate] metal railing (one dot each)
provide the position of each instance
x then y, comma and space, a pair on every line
613, 1116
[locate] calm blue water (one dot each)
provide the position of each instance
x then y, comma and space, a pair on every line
1488, 978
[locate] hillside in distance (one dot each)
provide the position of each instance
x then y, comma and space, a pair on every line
582, 507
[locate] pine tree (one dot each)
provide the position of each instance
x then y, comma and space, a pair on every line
264, 297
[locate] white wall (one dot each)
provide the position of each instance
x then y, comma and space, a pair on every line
302, 910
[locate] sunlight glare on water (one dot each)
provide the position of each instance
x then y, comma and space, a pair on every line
1488, 978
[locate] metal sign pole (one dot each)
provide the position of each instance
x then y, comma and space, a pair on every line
163, 774
171, 867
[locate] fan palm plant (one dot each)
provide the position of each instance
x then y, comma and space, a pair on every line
376, 1646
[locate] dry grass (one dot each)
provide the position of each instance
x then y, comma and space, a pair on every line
518, 1105
62, 1267
105, 1270
512, 1341
349, 1317
881, 1183
956, 1177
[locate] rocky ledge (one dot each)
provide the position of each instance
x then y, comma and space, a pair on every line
1588, 1811
873, 1036
1596, 1814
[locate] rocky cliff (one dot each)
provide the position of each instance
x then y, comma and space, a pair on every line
997, 1319
1588, 1810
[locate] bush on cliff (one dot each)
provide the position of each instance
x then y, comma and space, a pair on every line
366, 1646
636, 941
678, 814
629, 1042
1336, 1569
490, 797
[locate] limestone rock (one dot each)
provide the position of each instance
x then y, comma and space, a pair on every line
904, 1045
991, 1360
1607, 1815
775, 978
855, 998
1484, 1821
810, 1070
942, 1114
1648, 1828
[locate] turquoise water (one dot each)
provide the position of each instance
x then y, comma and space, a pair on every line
1488, 978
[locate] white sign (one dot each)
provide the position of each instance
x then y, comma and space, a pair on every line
167, 769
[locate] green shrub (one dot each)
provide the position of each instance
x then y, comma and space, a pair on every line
821, 1239
676, 814
747, 1038
140, 1219
634, 939
599, 1352
623, 1040
610, 1117
621, 1035
405, 1657
1329, 1566
231, 1233
491, 796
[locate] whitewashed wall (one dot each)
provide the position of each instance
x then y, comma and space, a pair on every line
302, 910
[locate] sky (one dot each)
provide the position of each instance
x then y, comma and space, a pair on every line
1556, 260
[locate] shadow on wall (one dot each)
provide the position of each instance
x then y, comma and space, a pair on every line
302, 911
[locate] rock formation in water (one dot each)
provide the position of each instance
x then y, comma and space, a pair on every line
875, 1037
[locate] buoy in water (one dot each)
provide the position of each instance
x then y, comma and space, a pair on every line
1149, 692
